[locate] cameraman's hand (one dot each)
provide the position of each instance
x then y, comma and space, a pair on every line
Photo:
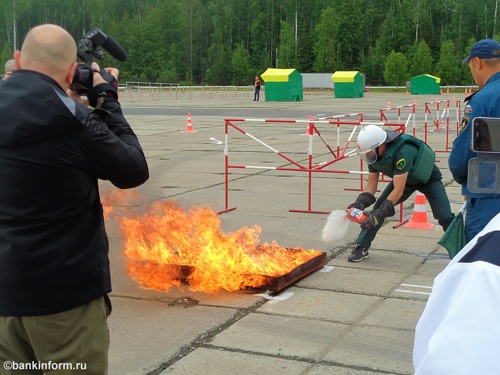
6, 75
98, 78
76, 97
105, 85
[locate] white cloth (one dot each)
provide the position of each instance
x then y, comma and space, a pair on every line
459, 330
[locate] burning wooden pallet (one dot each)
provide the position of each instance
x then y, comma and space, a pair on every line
168, 247
163, 277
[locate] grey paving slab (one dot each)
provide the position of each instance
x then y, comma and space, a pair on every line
418, 286
412, 241
145, 334
349, 280
395, 313
378, 349
337, 370
434, 264
322, 305
274, 335
216, 362
383, 260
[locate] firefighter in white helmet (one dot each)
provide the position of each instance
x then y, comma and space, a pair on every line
410, 163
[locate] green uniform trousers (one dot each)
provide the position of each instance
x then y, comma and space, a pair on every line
72, 342
436, 196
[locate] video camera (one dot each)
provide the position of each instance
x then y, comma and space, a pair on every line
484, 170
89, 49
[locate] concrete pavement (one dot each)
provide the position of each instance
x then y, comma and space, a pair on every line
346, 318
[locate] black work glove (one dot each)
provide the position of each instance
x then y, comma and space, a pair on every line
103, 90
377, 216
362, 201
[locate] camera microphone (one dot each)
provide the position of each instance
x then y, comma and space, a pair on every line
114, 49
98, 38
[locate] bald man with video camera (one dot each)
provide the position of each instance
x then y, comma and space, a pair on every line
54, 266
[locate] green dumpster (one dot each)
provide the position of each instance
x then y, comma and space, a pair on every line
283, 85
425, 84
348, 84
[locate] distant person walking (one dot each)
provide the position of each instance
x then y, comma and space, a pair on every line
256, 85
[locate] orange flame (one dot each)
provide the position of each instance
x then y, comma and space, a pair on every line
168, 245
116, 198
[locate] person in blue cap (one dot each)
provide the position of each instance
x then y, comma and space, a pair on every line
484, 64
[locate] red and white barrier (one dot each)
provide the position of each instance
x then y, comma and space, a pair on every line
399, 126
297, 166
442, 110
437, 117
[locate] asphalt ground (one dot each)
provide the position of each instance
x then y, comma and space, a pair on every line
345, 318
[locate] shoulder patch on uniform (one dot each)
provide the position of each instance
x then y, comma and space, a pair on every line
468, 109
400, 164
463, 124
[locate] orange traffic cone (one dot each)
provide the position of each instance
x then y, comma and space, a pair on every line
189, 126
309, 130
419, 217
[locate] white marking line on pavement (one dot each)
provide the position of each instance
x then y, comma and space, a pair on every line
414, 286
417, 286
216, 141
326, 268
411, 291
279, 297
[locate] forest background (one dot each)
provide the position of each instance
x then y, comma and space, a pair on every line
228, 42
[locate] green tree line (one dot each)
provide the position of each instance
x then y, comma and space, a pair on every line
230, 41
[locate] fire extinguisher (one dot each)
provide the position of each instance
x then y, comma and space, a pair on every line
356, 215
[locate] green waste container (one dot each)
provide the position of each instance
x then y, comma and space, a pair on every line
348, 84
283, 85
425, 84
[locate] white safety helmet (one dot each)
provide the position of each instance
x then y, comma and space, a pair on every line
369, 138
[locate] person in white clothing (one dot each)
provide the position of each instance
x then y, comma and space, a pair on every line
459, 330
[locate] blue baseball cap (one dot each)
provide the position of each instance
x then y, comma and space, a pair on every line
484, 49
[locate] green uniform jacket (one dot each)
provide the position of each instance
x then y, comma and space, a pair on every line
406, 154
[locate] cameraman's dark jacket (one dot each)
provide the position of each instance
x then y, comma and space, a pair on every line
53, 244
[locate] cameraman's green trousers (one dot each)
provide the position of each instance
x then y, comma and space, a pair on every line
70, 342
